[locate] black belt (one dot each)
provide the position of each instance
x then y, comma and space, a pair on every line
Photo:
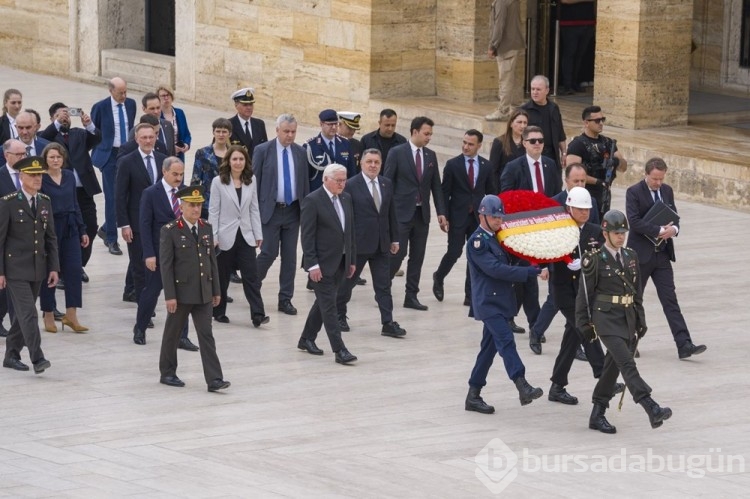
284, 205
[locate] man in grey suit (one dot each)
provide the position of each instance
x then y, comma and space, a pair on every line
29, 260
328, 254
280, 168
191, 286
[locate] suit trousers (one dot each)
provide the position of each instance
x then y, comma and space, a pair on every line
69, 249
242, 256
457, 237
202, 319
412, 237
88, 212
24, 331
497, 338
381, 282
659, 269
282, 230
569, 346
619, 359
148, 299
547, 313
109, 174
323, 310
527, 296
137, 266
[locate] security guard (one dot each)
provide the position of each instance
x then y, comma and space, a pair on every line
29, 260
610, 306
350, 126
328, 147
191, 286
493, 302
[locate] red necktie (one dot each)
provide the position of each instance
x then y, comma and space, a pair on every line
471, 174
539, 181
176, 205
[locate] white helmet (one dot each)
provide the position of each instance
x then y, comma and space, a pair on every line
578, 197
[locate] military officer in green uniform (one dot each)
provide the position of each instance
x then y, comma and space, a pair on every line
191, 286
29, 260
609, 305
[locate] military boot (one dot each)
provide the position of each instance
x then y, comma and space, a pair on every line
526, 392
656, 415
474, 402
597, 421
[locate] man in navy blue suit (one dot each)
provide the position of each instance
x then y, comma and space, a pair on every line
114, 116
159, 206
327, 148
27, 126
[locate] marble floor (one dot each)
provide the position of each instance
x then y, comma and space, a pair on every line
99, 424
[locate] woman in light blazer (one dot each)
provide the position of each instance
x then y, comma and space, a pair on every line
235, 218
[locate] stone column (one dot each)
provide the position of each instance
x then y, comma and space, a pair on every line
643, 61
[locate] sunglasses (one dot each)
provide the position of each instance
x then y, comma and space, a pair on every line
535, 141
598, 121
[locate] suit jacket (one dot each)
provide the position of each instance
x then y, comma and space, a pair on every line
318, 157
104, 120
638, 200
189, 270
402, 171
562, 198
564, 282
80, 142
23, 255
459, 198
323, 239
226, 213
132, 179
374, 230
7, 184
257, 128
165, 137
155, 213
516, 176
373, 140
131, 145
4, 128
265, 167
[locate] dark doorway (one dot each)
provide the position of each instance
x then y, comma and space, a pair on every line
160, 26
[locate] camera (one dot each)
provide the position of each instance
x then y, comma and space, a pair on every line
74, 111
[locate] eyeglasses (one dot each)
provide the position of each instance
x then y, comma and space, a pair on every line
339, 180
535, 141
331, 123
598, 121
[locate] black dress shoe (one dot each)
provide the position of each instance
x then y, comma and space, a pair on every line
437, 287
100, 232
412, 302
287, 307
129, 297
534, 344
260, 319
60, 283
171, 381
15, 364
186, 344
558, 393
467, 301
344, 356
234, 278
343, 325
688, 349
230, 299
3, 331
218, 384
222, 318
516, 328
41, 366
309, 346
150, 324
139, 337
392, 329
360, 282
57, 315
580, 354
84, 276
114, 249
543, 339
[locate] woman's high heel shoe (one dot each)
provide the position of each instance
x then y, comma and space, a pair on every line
50, 329
75, 327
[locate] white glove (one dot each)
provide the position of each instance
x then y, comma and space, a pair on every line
575, 265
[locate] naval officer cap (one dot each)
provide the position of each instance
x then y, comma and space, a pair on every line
328, 115
350, 119
192, 194
31, 165
244, 96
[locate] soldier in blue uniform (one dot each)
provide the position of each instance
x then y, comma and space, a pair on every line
328, 147
493, 302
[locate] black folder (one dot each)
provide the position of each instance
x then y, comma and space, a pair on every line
660, 214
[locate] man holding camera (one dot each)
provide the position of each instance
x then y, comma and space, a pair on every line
599, 155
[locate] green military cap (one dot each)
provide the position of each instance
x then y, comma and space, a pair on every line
31, 164
192, 194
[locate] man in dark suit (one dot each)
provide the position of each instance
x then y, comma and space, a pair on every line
467, 178
413, 169
376, 231
159, 206
246, 130
28, 260
279, 203
27, 126
114, 117
327, 148
328, 254
135, 172
656, 260
191, 287
165, 134
131, 145
78, 142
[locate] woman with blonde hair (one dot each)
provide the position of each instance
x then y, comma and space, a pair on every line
12, 105
176, 117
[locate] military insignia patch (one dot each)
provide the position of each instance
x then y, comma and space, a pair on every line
586, 262
477, 244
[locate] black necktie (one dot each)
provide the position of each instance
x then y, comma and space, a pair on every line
33, 206
657, 198
194, 230
247, 130
618, 259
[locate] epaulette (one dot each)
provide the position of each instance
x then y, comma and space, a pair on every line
203, 222
170, 224
9, 196
43, 195
626, 251
311, 139
588, 258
